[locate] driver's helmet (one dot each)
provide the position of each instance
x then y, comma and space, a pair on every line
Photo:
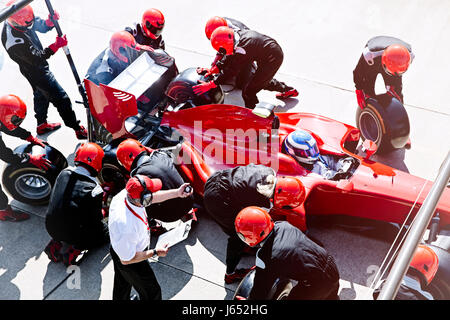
301, 145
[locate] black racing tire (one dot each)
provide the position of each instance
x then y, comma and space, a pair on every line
282, 291
385, 121
439, 289
31, 185
110, 173
245, 286
180, 90
372, 127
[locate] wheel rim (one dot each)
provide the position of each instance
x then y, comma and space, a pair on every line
370, 127
33, 186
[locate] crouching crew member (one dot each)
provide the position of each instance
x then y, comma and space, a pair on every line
12, 113
383, 55
212, 24
285, 252
130, 237
229, 191
74, 214
24, 47
241, 49
140, 160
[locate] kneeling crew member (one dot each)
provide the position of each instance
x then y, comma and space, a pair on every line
250, 47
212, 24
155, 164
12, 112
285, 252
74, 214
229, 191
130, 237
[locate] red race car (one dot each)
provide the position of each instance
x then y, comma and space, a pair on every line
221, 136
218, 136
207, 135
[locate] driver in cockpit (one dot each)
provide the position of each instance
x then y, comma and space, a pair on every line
302, 146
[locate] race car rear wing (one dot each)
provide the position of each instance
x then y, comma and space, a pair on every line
111, 107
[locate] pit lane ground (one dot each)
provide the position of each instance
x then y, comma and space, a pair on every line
322, 42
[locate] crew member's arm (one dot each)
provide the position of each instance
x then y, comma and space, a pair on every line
144, 255
42, 26
8, 156
359, 73
24, 135
164, 195
394, 86
32, 55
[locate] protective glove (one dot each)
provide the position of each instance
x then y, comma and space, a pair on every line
59, 43
49, 21
36, 141
140, 47
39, 161
213, 70
203, 87
208, 72
391, 91
361, 98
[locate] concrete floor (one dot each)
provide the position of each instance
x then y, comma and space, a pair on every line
322, 42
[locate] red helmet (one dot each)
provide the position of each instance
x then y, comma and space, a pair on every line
24, 18
90, 154
213, 23
253, 225
153, 23
12, 111
121, 42
396, 59
289, 192
127, 151
426, 261
223, 39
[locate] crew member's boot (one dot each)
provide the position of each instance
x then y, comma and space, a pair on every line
53, 250
45, 127
70, 257
237, 275
9, 215
287, 94
81, 133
